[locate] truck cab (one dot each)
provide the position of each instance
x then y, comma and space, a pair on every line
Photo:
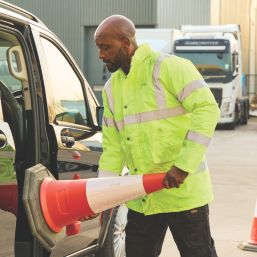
216, 53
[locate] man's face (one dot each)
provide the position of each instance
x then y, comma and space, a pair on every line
112, 52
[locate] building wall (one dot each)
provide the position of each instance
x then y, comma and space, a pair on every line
237, 11
174, 13
68, 18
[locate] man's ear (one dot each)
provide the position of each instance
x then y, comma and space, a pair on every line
126, 43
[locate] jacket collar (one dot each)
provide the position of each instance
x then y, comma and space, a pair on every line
141, 53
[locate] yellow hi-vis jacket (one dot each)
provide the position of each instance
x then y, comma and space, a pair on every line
159, 115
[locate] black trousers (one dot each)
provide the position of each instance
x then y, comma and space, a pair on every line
190, 230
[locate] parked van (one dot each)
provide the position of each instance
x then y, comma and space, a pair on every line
48, 115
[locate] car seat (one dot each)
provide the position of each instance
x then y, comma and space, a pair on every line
13, 115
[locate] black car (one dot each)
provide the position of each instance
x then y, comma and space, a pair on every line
48, 115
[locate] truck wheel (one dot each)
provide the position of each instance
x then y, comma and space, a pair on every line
245, 115
232, 124
114, 245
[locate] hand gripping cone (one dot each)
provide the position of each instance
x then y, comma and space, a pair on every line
64, 202
251, 244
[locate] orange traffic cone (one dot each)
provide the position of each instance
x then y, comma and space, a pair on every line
51, 205
64, 202
251, 244
74, 228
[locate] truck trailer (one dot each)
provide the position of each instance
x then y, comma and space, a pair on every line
216, 53
159, 39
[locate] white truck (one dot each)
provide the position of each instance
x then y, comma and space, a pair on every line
216, 53
158, 39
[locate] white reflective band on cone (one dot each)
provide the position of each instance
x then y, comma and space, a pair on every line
102, 195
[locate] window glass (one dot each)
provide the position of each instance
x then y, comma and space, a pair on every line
6, 42
69, 104
210, 63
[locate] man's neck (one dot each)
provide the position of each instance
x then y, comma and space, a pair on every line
126, 67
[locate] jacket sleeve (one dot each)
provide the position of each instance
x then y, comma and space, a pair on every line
192, 92
112, 159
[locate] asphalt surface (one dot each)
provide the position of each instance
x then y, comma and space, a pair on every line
232, 159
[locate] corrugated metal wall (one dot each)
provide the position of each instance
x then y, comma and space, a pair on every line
244, 12
174, 13
74, 22
239, 13
67, 18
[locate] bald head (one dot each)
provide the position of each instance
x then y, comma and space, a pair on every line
117, 26
115, 39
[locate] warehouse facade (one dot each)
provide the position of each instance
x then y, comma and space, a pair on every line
75, 21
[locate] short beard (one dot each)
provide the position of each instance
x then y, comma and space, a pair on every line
118, 62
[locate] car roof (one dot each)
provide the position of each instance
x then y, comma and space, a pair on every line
14, 12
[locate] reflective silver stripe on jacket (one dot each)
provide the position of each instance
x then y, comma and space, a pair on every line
104, 173
189, 88
108, 90
153, 115
120, 125
158, 87
198, 138
201, 168
109, 122
145, 117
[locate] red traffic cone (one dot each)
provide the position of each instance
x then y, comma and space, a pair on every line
64, 202
74, 228
251, 244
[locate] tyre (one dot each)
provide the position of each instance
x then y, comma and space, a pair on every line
245, 115
114, 245
232, 124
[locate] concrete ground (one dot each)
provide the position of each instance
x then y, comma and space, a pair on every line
232, 159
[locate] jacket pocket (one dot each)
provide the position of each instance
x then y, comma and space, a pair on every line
165, 139
164, 146
162, 153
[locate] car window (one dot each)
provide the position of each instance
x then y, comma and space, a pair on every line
7, 41
69, 105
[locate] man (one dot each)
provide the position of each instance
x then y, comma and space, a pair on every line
159, 116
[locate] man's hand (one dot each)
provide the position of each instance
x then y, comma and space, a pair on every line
89, 217
174, 177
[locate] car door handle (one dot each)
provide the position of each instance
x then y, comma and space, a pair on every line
68, 141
